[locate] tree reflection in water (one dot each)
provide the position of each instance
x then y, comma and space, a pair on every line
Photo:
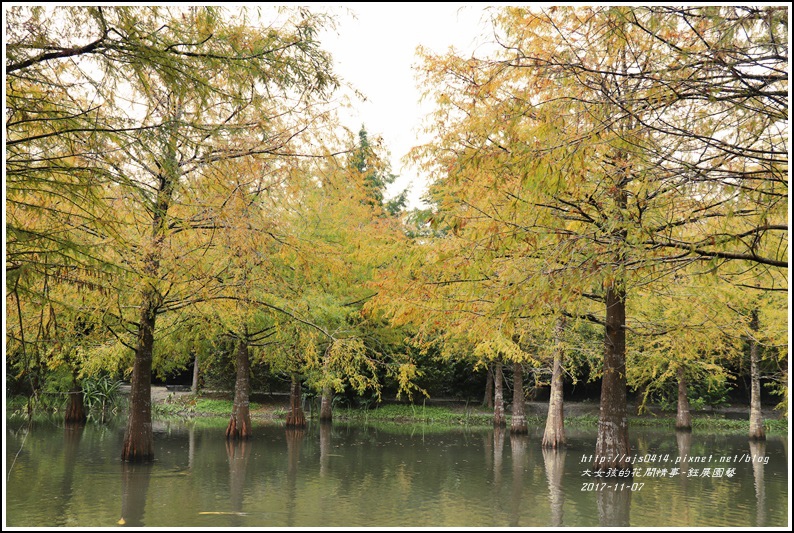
134, 486
325, 446
554, 461
294, 440
758, 449
614, 505
237, 451
518, 447
72, 434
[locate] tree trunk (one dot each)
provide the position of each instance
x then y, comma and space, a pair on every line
75, 409
683, 419
295, 417
138, 438
499, 404
518, 422
194, 387
488, 400
554, 434
757, 431
326, 411
612, 445
240, 422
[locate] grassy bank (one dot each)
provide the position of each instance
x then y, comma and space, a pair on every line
454, 415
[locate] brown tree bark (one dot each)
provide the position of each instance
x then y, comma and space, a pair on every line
612, 445
194, 387
499, 403
518, 422
75, 408
554, 434
295, 416
757, 431
326, 405
683, 418
138, 438
240, 422
488, 399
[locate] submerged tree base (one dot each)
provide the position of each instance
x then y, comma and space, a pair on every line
75, 410
296, 420
240, 431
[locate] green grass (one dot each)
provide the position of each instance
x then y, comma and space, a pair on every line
478, 416
428, 417
710, 423
418, 414
190, 407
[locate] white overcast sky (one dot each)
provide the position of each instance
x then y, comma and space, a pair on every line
374, 47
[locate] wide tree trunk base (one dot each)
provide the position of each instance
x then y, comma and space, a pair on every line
757, 435
326, 411
240, 431
133, 454
553, 441
75, 410
519, 427
296, 420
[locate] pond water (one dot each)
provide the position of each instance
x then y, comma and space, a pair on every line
385, 476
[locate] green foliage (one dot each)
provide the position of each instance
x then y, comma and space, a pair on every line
101, 395
710, 393
58, 381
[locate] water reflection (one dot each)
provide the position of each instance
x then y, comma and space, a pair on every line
758, 449
325, 447
72, 433
518, 447
614, 505
498, 454
191, 445
554, 461
683, 439
294, 440
237, 452
377, 476
134, 487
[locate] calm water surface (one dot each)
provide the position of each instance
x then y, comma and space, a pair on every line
356, 475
